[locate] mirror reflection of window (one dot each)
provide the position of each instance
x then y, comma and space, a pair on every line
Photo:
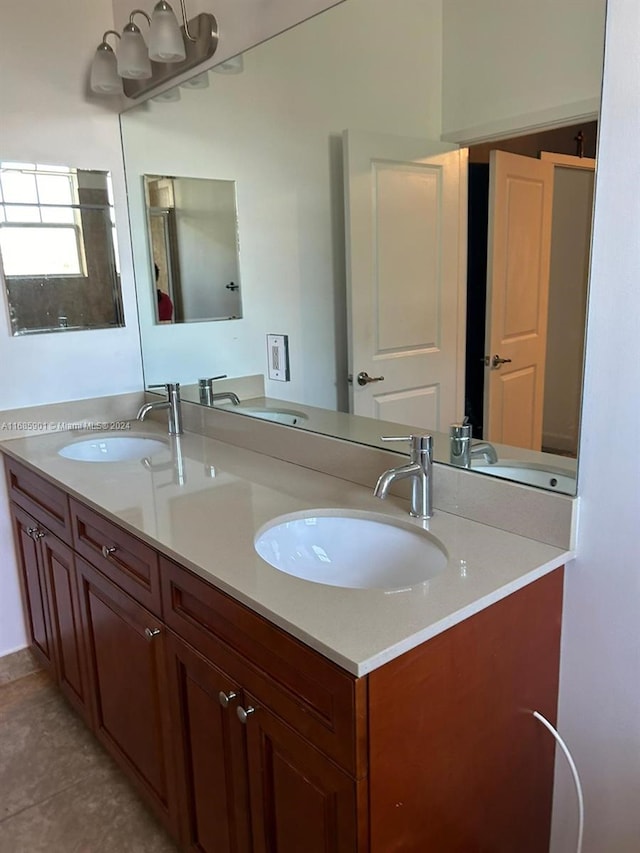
57, 236
193, 240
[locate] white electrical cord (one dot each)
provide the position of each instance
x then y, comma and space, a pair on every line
574, 773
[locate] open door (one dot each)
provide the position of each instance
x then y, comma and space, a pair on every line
406, 270
519, 251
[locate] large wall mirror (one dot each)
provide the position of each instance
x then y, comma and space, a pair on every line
379, 245
57, 248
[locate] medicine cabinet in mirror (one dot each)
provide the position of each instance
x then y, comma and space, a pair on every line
57, 248
364, 214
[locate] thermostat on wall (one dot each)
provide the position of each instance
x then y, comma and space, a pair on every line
278, 357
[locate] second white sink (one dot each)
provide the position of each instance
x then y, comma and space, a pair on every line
347, 548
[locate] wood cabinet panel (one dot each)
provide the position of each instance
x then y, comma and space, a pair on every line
322, 701
211, 754
458, 762
59, 569
300, 800
33, 587
126, 664
132, 564
44, 501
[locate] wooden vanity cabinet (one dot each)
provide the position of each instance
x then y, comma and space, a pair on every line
125, 646
437, 751
260, 784
49, 582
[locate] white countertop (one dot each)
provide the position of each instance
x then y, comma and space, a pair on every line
208, 523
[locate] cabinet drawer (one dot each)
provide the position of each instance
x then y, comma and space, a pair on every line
313, 695
125, 560
46, 503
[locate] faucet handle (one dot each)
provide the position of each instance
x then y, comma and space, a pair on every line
419, 443
460, 431
167, 386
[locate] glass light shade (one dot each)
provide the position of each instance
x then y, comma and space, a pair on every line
234, 65
104, 78
133, 57
169, 95
200, 81
165, 37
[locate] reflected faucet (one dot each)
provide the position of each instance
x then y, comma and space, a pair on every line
208, 398
172, 404
463, 450
419, 469
175, 464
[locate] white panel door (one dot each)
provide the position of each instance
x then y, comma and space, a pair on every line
519, 251
406, 272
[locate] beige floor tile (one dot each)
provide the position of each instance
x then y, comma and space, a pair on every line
102, 814
44, 747
16, 666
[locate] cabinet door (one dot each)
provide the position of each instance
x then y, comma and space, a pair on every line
25, 531
126, 664
60, 574
211, 754
300, 800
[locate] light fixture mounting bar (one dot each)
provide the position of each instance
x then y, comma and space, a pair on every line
204, 32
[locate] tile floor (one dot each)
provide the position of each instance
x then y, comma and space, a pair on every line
59, 791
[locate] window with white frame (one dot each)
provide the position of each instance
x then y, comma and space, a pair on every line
40, 221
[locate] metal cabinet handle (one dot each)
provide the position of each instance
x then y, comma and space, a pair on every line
150, 633
108, 551
35, 533
244, 713
363, 378
225, 699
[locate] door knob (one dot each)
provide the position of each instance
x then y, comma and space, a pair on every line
364, 378
495, 361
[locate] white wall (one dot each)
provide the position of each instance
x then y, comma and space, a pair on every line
276, 130
600, 674
509, 59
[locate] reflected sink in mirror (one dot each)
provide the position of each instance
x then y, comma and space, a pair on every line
290, 417
347, 548
119, 448
531, 474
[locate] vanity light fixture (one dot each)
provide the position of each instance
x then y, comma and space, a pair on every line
172, 50
104, 79
133, 56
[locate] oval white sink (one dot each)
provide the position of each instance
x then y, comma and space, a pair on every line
121, 448
352, 549
532, 475
290, 417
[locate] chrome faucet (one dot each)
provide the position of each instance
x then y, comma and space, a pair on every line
226, 395
419, 469
172, 404
208, 398
463, 450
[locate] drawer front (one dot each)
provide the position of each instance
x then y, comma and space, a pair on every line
128, 562
314, 696
46, 503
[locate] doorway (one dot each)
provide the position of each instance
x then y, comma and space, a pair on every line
570, 150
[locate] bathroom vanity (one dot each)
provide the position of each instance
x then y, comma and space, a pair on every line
255, 711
